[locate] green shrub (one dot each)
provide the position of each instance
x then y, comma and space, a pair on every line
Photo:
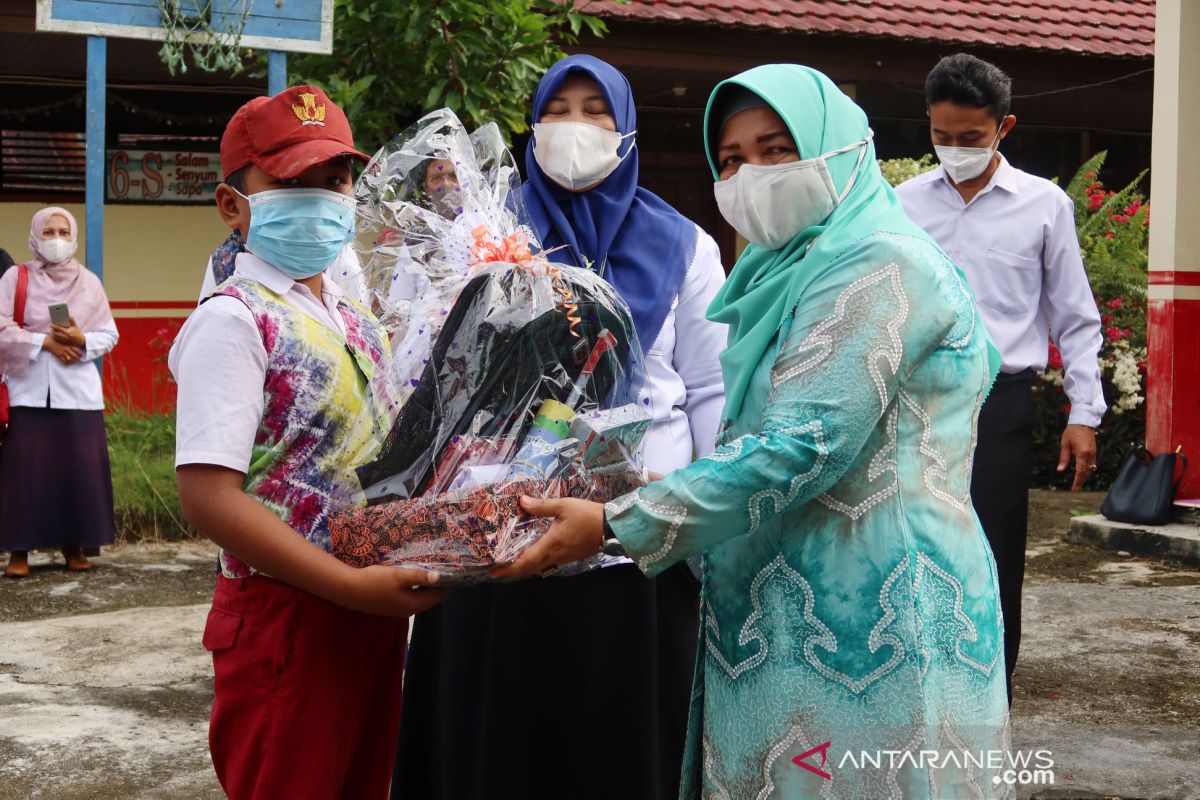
146, 502
1114, 236
897, 170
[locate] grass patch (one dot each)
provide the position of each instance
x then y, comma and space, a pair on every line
146, 501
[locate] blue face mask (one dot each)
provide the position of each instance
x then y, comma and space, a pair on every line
299, 231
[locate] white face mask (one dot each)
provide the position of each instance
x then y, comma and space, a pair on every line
965, 163
576, 155
56, 250
770, 205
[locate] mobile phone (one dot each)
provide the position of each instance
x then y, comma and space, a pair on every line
59, 314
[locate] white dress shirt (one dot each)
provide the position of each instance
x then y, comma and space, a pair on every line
75, 386
1016, 243
220, 365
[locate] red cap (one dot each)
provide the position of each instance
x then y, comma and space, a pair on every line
286, 134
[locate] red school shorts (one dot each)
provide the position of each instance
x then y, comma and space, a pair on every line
307, 693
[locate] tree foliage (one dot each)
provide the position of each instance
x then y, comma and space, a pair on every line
394, 60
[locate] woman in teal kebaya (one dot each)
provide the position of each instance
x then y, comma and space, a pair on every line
850, 618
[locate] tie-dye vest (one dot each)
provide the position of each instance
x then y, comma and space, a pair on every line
324, 412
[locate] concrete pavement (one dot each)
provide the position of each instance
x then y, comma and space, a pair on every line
105, 689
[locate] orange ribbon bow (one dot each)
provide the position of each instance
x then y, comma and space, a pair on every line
514, 249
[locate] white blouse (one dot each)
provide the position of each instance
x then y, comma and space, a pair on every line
683, 369
49, 383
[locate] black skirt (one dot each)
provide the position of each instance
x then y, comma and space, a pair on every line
55, 480
551, 689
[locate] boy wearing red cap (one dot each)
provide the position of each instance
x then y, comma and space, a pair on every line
275, 404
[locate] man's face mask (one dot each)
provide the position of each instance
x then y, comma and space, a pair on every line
576, 155
769, 205
299, 231
965, 163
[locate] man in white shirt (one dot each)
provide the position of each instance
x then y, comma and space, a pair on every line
1013, 234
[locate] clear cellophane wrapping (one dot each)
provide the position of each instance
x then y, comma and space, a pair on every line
510, 374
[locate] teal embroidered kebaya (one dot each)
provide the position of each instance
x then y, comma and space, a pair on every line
849, 593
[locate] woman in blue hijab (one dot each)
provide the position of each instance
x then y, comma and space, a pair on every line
577, 687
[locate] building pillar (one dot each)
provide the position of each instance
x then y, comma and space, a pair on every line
276, 72
1173, 362
95, 124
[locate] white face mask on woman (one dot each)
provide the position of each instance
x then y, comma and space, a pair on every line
576, 155
769, 205
965, 163
56, 250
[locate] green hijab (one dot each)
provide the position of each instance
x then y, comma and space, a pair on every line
765, 286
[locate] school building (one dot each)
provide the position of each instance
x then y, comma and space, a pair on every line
1082, 70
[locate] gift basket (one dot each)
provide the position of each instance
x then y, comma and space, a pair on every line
510, 374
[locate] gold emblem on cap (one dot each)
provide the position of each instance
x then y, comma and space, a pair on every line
309, 113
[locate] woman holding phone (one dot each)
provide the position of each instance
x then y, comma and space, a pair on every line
55, 481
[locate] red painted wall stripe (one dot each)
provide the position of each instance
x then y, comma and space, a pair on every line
126, 304
136, 377
1174, 278
1173, 383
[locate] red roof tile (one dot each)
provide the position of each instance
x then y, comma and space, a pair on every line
1097, 27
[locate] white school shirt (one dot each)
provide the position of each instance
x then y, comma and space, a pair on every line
220, 365
1016, 243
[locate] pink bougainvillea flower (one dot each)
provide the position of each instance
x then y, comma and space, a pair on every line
1116, 302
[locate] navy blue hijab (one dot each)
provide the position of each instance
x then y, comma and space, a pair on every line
647, 243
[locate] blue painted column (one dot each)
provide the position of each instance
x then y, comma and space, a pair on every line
97, 57
276, 72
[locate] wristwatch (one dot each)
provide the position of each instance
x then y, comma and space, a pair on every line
610, 545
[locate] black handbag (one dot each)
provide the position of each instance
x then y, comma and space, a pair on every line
1144, 489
